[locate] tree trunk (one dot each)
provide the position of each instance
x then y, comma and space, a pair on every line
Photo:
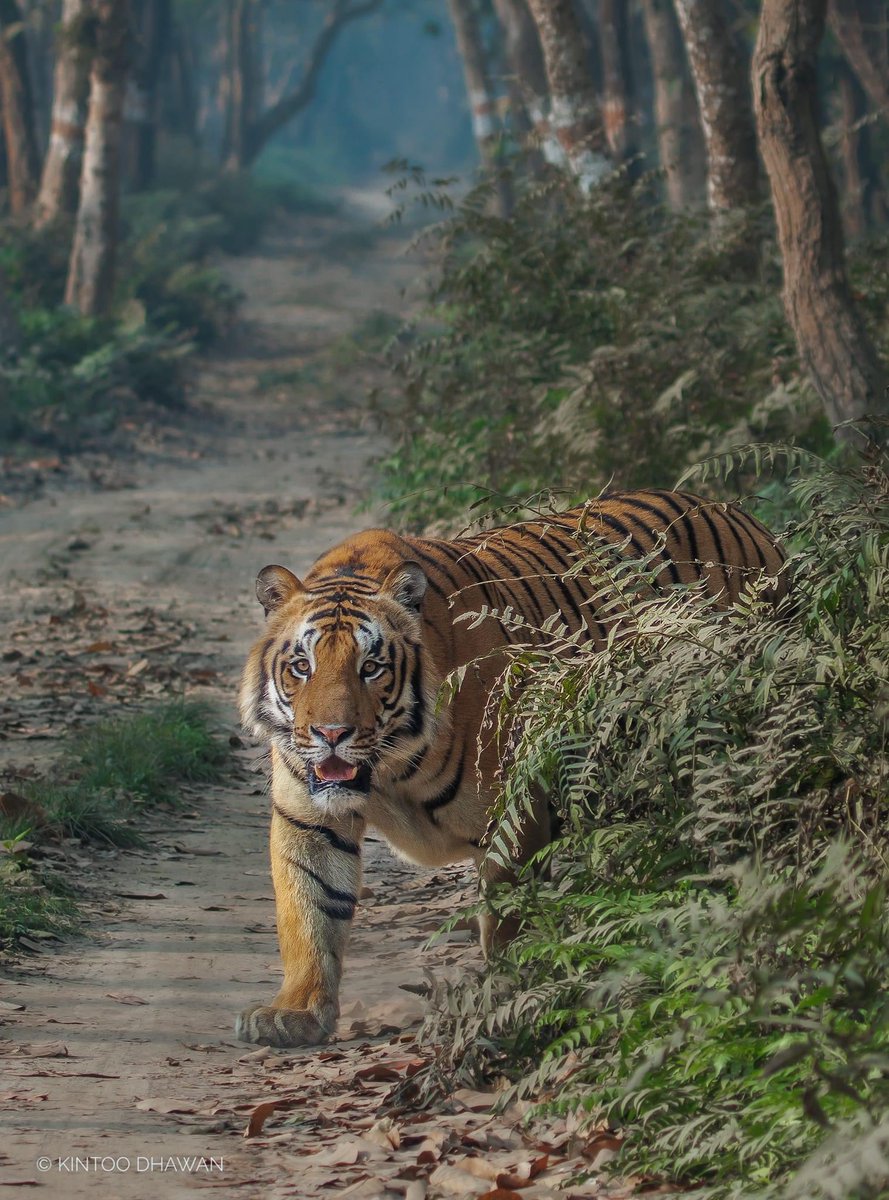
858, 179
679, 138
40, 20
482, 102
860, 28
244, 87
718, 63
91, 267
574, 114
527, 72
182, 108
61, 168
833, 343
618, 99
141, 105
10, 330
22, 158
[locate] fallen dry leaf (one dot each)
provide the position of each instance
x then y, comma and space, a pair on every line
344, 1153
125, 998
384, 1133
456, 1182
167, 1106
475, 1101
263, 1111
35, 1049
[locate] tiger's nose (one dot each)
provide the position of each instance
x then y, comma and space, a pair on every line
333, 734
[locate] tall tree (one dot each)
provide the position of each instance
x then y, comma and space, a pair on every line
618, 98
154, 18
94, 248
527, 73
10, 330
244, 80
61, 167
679, 137
862, 29
718, 63
482, 100
574, 110
833, 342
249, 124
16, 101
862, 200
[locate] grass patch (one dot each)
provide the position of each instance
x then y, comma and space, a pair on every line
118, 770
31, 902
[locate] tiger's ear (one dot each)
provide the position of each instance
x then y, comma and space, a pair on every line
406, 584
275, 586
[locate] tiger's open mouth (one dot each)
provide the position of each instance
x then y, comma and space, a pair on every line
335, 772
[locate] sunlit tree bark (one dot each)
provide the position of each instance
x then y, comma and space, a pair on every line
574, 111
61, 168
680, 141
91, 267
16, 101
833, 343
719, 68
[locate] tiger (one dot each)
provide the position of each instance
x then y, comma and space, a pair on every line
345, 685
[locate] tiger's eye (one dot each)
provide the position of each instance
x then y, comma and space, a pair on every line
370, 668
300, 667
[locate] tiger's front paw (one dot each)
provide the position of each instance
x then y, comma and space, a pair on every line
267, 1026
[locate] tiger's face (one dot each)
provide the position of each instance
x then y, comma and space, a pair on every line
337, 681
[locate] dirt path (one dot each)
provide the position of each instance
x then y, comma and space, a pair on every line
121, 1076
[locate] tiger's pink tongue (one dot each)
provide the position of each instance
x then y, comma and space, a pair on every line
335, 770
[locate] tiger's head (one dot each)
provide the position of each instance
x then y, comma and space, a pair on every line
337, 682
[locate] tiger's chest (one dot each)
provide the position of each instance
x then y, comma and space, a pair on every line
427, 836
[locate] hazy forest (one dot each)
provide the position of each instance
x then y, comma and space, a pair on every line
274, 271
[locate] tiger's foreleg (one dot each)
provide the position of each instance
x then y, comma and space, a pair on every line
316, 869
498, 930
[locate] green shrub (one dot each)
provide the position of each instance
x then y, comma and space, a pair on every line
705, 967
588, 341
76, 376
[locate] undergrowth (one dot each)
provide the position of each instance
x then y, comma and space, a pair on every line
705, 951
113, 772
71, 378
587, 341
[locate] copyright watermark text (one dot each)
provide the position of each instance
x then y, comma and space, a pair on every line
106, 1164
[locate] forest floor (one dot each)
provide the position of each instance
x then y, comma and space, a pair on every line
128, 577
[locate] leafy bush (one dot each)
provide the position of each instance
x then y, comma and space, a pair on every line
74, 376
706, 945
589, 340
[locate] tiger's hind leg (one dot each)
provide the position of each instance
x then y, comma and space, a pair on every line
316, 870
538, 830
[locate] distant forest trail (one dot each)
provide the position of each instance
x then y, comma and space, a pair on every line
130, 576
